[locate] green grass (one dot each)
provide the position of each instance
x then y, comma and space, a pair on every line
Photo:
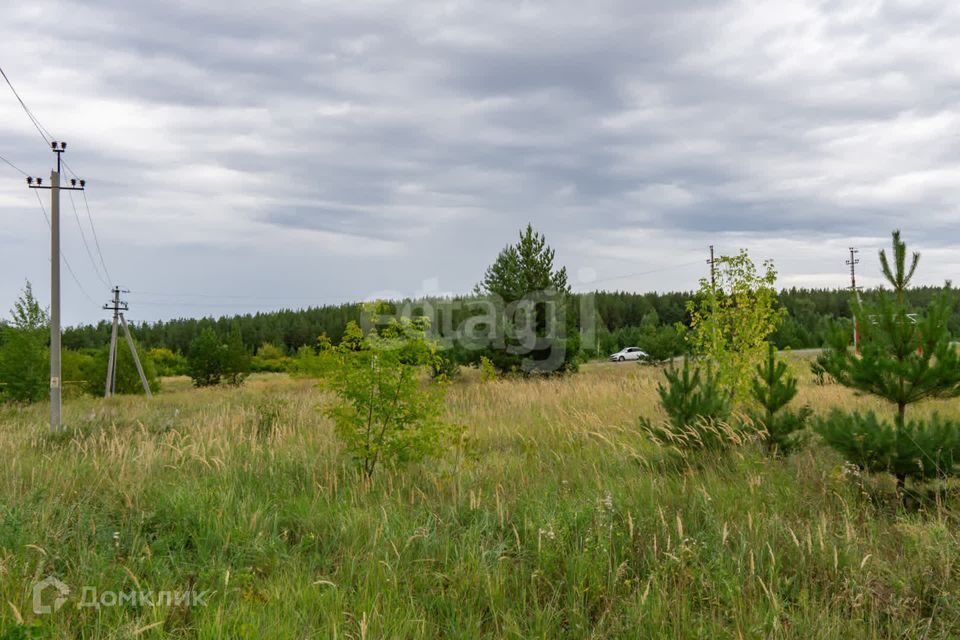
554, 518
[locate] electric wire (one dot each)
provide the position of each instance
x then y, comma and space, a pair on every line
96, 238
36, 123
83, 237
62, 256
645, 273
139, 292
47, 138
13, 166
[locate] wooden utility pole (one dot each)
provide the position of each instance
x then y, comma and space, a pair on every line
56, 384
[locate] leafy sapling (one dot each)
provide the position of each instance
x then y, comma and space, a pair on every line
388, 411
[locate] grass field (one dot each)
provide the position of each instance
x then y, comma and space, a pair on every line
554, 518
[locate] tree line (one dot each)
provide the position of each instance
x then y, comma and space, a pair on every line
624, 319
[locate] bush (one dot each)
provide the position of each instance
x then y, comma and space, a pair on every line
127, 380
488, 372
917, 449
24, 352
168, 363
385, 413
697, 408
74, 368
662, 343
445, 365
269, 359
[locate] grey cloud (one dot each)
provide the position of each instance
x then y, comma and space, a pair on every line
427, 133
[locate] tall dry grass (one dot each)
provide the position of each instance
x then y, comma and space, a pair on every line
554, 517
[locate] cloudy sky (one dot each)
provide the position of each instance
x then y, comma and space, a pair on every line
248, 155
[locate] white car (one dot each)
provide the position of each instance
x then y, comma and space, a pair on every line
630, 353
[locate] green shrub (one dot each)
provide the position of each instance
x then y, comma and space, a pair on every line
167, 362
24, 352
488, 372
269, 358
662, 343
697, 408
444, 365
127, 380
74, 366
385, 413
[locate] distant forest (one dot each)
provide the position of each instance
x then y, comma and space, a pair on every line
622, 315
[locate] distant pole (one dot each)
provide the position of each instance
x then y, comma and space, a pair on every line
118, 306
56, 383
115, 305
852, 262
713, 273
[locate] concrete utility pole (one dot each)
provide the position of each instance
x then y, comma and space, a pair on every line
118, 306
136, 358
852, 262
713, 274
56, 384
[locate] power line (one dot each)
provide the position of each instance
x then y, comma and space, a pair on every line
13, 165
47, 138
219, 296
65, 261
36, 123
646, 273
70, 169
96, 239
83, 237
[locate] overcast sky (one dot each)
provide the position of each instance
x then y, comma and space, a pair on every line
246, 156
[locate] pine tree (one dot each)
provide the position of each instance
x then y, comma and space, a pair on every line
236, 359
904, 358
773, 388
697, 407
205, 359
525, 272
